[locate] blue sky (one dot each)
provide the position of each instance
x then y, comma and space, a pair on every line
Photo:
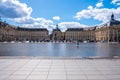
65, 13
65, 9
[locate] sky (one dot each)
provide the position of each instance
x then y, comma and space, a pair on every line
65, 13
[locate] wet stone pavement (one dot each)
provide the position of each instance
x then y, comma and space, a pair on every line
59, 69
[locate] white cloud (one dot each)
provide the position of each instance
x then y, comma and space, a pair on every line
90, 7
43, 23
38, 23
4, 0
64, 25
98, 13
14, 9
116, 2
24, 20
84, 13
101, 14
100, 4
56, 18
21, 14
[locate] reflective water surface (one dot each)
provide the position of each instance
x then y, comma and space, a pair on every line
60, 49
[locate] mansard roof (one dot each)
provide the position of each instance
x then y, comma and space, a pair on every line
75, 29
113, 22
31, 29
57, 29
90, 28
3, 23
81, 29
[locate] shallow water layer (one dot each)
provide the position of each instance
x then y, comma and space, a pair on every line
60, 49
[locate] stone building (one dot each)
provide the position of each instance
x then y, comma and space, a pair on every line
56, 35
109, 32
12, 33
80, 34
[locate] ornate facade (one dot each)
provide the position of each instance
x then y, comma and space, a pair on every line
80, 34
11, 33
56, 35
109, 32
